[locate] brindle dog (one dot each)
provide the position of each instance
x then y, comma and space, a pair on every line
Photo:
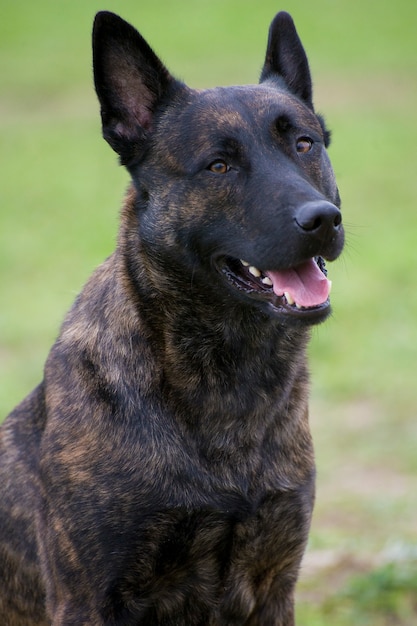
163, 472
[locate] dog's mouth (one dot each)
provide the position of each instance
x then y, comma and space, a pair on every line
300, 292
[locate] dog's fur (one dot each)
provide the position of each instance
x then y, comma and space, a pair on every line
163, 473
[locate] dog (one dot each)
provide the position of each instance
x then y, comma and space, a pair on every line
162, 473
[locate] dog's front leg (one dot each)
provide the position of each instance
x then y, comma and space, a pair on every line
276, 608
68, 614
76, 565
69, 599
265, 561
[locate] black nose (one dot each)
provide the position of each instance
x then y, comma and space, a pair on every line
320, 218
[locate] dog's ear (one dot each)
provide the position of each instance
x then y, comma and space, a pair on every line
130, 82
286, 58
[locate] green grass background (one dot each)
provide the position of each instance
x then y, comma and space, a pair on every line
60, 193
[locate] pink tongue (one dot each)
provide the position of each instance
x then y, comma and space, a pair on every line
306, 284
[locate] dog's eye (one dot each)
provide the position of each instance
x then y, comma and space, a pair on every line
304, 145
219, 167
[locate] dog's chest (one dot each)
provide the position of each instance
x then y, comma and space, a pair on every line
212, 561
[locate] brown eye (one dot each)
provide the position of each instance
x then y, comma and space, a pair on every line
304, 145
219, 167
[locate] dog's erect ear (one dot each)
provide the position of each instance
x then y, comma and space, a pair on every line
130, 82
286, 58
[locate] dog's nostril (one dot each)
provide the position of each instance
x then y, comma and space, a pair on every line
312, 224
317, 217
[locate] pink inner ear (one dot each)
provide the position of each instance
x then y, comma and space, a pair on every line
131, 96
145, 117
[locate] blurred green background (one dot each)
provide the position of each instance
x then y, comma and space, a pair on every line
61, 189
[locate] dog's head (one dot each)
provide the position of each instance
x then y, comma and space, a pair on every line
235, 191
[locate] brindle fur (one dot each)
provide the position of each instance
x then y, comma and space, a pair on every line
163, 472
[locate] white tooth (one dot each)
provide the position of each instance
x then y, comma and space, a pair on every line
254, 271
245, 263
288, 298
330, 285
267, 281
298, 306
